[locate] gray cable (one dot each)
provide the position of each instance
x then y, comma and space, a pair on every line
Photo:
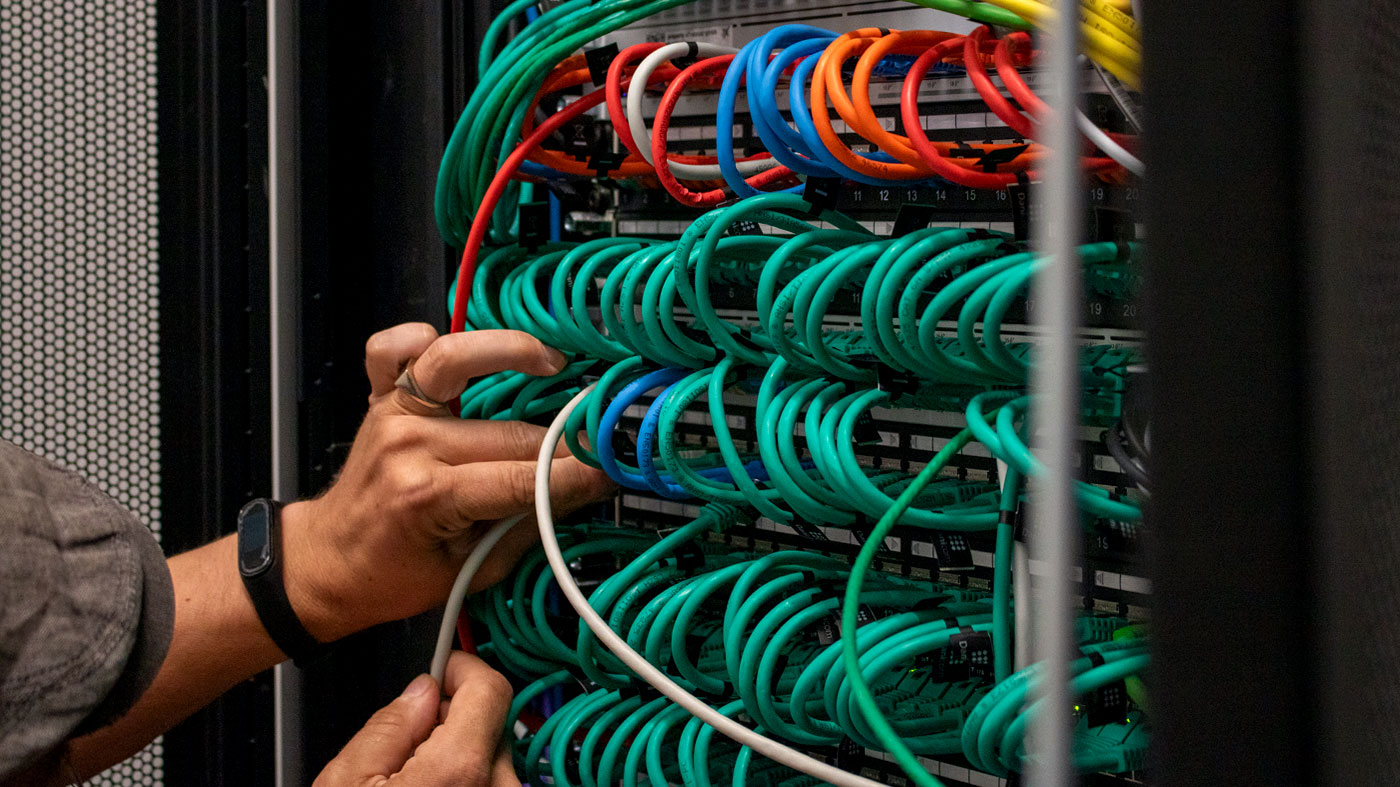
1055, 413
459, 593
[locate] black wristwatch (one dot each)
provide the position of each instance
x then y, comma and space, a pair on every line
260, 563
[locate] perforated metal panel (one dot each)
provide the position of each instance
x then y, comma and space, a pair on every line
78, 277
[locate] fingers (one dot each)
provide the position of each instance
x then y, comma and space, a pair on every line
463, 750
388, 739
496, 490
503, 775
457, 442
390, 350
445, 367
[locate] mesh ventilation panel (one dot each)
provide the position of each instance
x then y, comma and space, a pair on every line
78, 277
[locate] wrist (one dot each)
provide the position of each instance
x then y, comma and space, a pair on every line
308, 572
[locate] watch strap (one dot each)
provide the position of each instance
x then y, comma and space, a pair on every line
264, 581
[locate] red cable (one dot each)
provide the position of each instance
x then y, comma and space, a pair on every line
1021, 91
507, 171
464, 633
660, 158
1006, 69
993, 98
913, 127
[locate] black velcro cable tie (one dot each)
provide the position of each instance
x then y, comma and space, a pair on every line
599, 59
1096, 658
821, 194
980, 233
884, 31
1006, 518
1125, 251
691, 56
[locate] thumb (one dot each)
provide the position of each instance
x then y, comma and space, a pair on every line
388, 739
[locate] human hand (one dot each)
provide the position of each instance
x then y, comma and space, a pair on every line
421, 487
416, 741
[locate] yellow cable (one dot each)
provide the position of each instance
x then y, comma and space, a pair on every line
1103, 42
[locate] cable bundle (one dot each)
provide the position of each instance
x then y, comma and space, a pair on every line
477, 175
756, 636
803, 658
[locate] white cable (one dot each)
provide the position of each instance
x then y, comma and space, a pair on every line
641, 134
734, 730
1110, 148
459, 593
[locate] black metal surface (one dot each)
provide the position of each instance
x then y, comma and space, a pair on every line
373, 97
214, 392
1227, 324
1353, 286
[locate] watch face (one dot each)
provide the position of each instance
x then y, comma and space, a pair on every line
255, 539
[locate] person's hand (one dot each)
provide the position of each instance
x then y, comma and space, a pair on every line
415, 741
421, 487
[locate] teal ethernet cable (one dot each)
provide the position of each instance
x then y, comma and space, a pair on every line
923, 341
539, 609
512, 659
534, 750
890, 740
624, 735
928, 242
520, 300
590, 415
598, 733
656, 771
683, 470
787, 343
529, 694
639, 634
738, 472
1093, 499
1083, 683
684, 622
795, 254
987, 722
785, 560
814, 299
751, 662
657, 725
920, 735
700, 241
649, 340
602, 598
893, 300
590, 258
766, 705
810, 690
964, 511
771, 408
694, 747
561, 741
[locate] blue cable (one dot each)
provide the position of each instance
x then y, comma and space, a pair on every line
802, 116
780, 138
724, 116
646, 449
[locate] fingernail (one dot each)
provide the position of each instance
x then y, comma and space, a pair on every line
421, 685
557, 360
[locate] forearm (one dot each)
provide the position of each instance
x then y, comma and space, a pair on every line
218, 642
